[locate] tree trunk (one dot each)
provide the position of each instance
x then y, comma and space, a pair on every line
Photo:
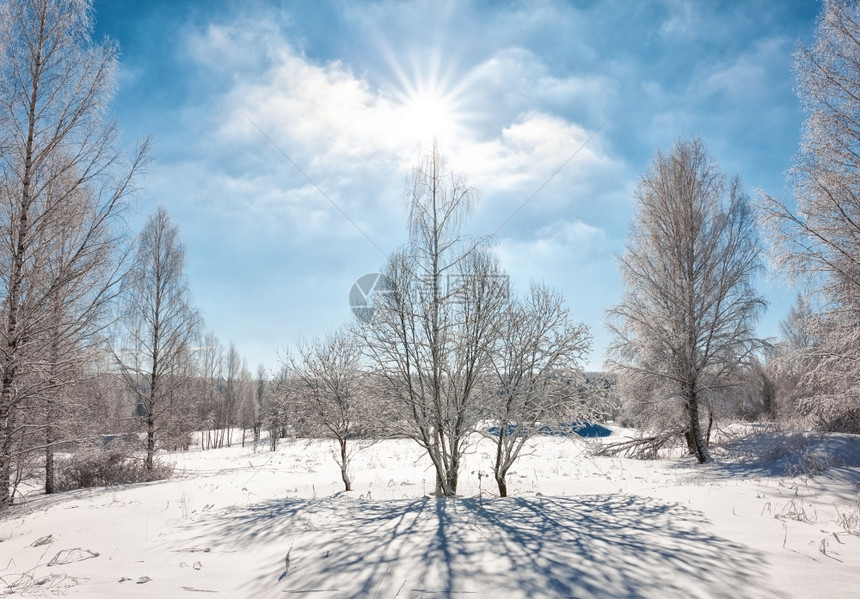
449, 478
50, 439
710, 425
7, 427
502, 483
51, 399
498, 471
344, 464
150, 440
691, 443
700, 448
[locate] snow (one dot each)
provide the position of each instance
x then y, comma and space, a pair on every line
246, 524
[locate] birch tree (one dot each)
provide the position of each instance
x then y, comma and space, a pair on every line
819, 240
427, 336
210, 363
686, 319
158, 326
59, 156
232, 386
261, 392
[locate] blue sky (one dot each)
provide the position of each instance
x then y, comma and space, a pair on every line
351, 92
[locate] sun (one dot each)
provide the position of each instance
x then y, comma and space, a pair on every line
429, 99
429, 114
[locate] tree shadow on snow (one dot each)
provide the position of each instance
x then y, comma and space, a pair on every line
776, 454
587, 546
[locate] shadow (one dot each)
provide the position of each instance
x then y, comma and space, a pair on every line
780, 454
586, 546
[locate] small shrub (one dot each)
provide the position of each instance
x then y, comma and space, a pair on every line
95, 467
849, 521
794, 510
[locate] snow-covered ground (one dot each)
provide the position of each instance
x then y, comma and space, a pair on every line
246, 524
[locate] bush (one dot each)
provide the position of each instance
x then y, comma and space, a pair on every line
95, 467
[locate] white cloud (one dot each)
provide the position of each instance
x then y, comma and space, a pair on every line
683, 19
357, 141
554, 251
557, 244
528, 152
241, 48
517, 80
749, 76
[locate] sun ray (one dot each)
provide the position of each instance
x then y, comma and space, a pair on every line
428, 99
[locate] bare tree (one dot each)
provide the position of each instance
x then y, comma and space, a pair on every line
796, 327
335, 400
58, 157
686, 319
428, 334
277, 406
80, 251
791, 358
820, 241
158, 325
210, 358
261, 393
537, 375
247, 402
231, 398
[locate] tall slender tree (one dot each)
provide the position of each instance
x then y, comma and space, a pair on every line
158, 326
58, 155
232, 387
210, 359
686, 319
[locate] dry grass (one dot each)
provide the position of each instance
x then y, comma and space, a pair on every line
101, 468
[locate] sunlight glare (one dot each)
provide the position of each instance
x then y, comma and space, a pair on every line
429, 114
428, 97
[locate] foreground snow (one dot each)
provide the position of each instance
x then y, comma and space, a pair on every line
247, 524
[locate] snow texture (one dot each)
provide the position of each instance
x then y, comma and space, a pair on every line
245, 524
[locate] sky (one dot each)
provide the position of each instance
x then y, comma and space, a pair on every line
284, 133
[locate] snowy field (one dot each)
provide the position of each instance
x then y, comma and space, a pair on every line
243, 524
